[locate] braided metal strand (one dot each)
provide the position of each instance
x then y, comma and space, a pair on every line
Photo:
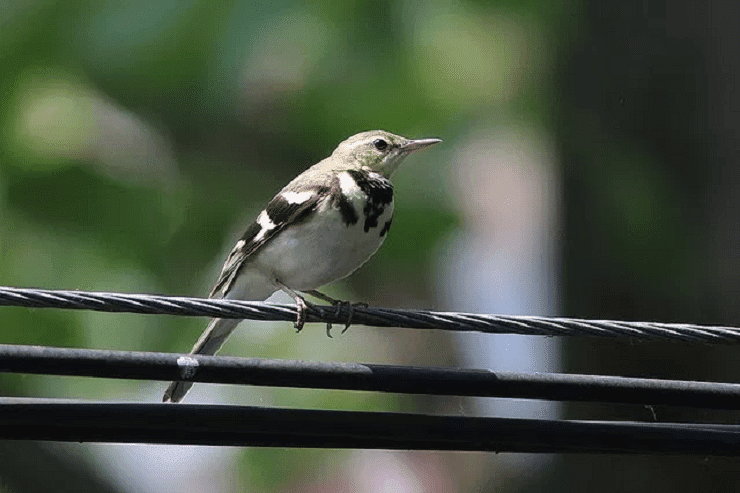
379, 317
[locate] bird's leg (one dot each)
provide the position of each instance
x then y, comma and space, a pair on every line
339, 304
300, 303
328, 299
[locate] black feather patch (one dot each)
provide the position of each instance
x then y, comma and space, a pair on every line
341, 202
281, 212
379, 193
252, 231
386, 227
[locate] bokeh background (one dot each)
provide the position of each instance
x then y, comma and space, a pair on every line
589, 169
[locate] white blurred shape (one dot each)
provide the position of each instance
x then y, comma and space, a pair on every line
374, 471
165, 468
504, 259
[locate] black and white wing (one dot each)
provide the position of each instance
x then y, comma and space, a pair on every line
291, 206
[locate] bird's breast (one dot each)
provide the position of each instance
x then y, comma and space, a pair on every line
347, 228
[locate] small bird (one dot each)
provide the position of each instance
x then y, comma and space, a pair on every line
321, 227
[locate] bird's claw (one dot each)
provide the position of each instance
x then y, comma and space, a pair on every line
340, 304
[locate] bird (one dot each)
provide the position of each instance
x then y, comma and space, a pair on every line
321, 227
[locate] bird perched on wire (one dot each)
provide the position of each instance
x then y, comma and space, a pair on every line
321, 227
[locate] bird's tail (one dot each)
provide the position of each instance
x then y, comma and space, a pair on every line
210, 341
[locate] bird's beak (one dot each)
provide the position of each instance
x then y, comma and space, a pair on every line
415, 145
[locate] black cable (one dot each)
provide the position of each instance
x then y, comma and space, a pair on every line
37, 419
380, 317
369, 377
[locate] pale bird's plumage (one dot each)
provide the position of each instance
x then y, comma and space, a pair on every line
321, 227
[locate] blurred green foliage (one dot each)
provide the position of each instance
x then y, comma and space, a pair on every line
137, 138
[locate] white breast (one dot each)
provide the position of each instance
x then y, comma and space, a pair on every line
317, 252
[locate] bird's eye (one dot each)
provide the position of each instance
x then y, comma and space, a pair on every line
380, 144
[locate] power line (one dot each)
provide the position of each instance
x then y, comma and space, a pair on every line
379, 317
40, 419
367, 377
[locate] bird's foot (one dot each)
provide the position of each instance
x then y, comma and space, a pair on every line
339, 304
351, 307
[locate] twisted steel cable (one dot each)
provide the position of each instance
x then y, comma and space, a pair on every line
378, 317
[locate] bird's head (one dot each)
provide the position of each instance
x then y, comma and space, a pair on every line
378, 150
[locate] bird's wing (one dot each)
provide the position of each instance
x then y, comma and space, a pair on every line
292, 205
